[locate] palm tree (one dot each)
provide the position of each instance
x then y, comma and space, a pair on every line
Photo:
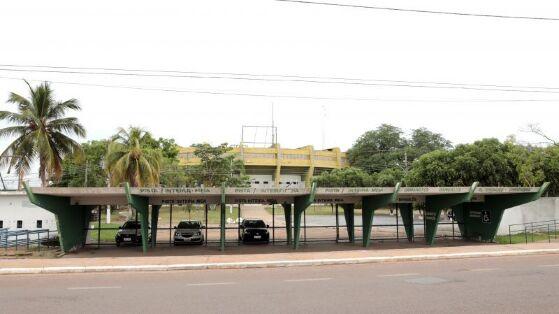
131, 159
42, 132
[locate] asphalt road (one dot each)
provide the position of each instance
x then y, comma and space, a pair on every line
526, 284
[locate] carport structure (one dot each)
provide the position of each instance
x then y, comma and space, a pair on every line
478, 210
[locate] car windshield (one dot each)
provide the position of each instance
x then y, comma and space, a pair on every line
189, 225
255, 224
131, 225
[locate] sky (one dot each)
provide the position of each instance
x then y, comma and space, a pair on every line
268, 37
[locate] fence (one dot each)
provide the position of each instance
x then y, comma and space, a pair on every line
26, 239
533, 231
314, 228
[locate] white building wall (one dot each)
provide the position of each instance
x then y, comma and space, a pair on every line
291, 180
261, 180
546, 208
15, 206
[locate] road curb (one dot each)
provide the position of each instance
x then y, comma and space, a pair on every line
269, 264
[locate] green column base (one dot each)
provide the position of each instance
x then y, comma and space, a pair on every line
72, 220
349, 215
431, 217
154, 221
406, 211
287, 209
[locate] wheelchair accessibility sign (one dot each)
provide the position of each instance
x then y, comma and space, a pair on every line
485, 216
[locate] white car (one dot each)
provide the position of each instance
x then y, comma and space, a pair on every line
188, 231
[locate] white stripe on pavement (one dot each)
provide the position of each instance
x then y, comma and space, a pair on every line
484, 269
552, 265
399, 275
93, 288
307, 279
210, 284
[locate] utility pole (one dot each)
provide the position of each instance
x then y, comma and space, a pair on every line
406, 162
85, 181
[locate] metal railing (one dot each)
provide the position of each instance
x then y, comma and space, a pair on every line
26, 239
534, 231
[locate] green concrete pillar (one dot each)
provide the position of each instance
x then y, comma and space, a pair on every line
372, 203
367, 216
431, 217
459, 216
72, 220
154, 221
435, 203
481, 220
141, 205
406, 211
222, 220
287, 209
301, 203
349, 215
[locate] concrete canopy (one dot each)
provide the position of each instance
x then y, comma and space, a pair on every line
478, 209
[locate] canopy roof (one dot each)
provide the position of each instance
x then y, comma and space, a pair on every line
234, 195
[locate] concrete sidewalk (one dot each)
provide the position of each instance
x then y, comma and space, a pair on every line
131, 259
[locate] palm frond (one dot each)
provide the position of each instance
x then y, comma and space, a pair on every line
13, 131
58, 109
22, 102
13, 117
68, 125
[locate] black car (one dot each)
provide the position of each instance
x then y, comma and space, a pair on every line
254, 230
130, 233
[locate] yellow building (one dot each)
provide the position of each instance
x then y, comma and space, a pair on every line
280, 167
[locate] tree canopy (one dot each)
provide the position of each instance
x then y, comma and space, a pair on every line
489, 161
131, 158
386, 147
42, 132
217, 166
86, 169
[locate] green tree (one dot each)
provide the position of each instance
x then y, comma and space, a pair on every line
423, 141
174, 174
42, 133
378, 149
487, 161
131, 158
387, 148
346, 177
550, 165
433, 169
217, 166
388, 177
86, 169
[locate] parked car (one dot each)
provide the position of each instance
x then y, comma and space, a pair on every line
188, 231
130, 233
254, 230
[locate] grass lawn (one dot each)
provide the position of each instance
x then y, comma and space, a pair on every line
521, 238
106, 235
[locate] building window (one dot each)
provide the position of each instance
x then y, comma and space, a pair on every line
256, 182
1, 224
295, 156
39, 224
20, 224
265, 182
